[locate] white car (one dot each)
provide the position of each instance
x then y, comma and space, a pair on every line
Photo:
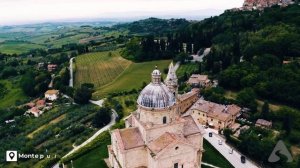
220, 142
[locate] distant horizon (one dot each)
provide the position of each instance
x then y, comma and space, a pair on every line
22, 12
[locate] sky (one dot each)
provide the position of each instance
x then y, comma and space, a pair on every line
29, 11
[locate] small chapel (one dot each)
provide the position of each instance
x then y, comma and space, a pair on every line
156, 134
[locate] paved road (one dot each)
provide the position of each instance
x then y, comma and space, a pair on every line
200, 58
71, 82
234, 158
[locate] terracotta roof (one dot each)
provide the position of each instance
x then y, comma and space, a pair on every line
214, 110
131, 138
264, 122
51, 92
197, 78
34, 110
41, 102
187, 95
31, 104
190, 126
164, 141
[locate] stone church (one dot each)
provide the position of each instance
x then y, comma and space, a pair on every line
156, 135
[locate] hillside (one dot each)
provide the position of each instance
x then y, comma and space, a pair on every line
153, 26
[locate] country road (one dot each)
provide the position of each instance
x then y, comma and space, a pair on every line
71, 82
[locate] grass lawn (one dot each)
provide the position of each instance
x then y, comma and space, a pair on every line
212, 156
17, 47
13, 95
132, 78
189, 68
99, 68
92, 159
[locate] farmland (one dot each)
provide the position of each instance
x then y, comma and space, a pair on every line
16, 47
132, 78
99, 68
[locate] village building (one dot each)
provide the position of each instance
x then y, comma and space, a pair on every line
35, 111
197, 80
40, 103
263, 123
214, 115
261, 4
156, 135
185, 101
52, 95
51, 67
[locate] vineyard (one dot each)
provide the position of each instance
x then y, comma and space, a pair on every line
99, 68
132, 78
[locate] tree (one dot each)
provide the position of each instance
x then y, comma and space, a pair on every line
246, 98
28, 83
82, 95
287, 124
102, 117
265, 110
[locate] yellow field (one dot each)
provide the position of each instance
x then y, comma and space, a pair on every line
99, 68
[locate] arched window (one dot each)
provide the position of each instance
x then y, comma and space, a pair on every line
176, 165
164, 120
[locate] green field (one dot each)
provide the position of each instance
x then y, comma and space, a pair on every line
99, 68
212, 156
93, 159
132, 78
13, 95
18, 47
189, 68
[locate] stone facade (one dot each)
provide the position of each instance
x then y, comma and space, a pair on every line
156, 135
213, 114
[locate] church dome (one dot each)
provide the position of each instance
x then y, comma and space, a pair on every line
156, 94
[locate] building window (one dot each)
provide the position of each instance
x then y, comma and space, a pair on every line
203, 115
164, 120
176, 165
212, 119
182, 166
176, 147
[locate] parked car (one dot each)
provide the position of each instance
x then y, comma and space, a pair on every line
210, 134
230, 151
220, 142
243, 159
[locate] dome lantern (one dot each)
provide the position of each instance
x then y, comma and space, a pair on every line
156, 76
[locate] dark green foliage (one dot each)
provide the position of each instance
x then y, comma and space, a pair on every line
154, 25
102, 117
265, 110
9, 72
216, 94
3, 90
34, 83
246, 98
82, 95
